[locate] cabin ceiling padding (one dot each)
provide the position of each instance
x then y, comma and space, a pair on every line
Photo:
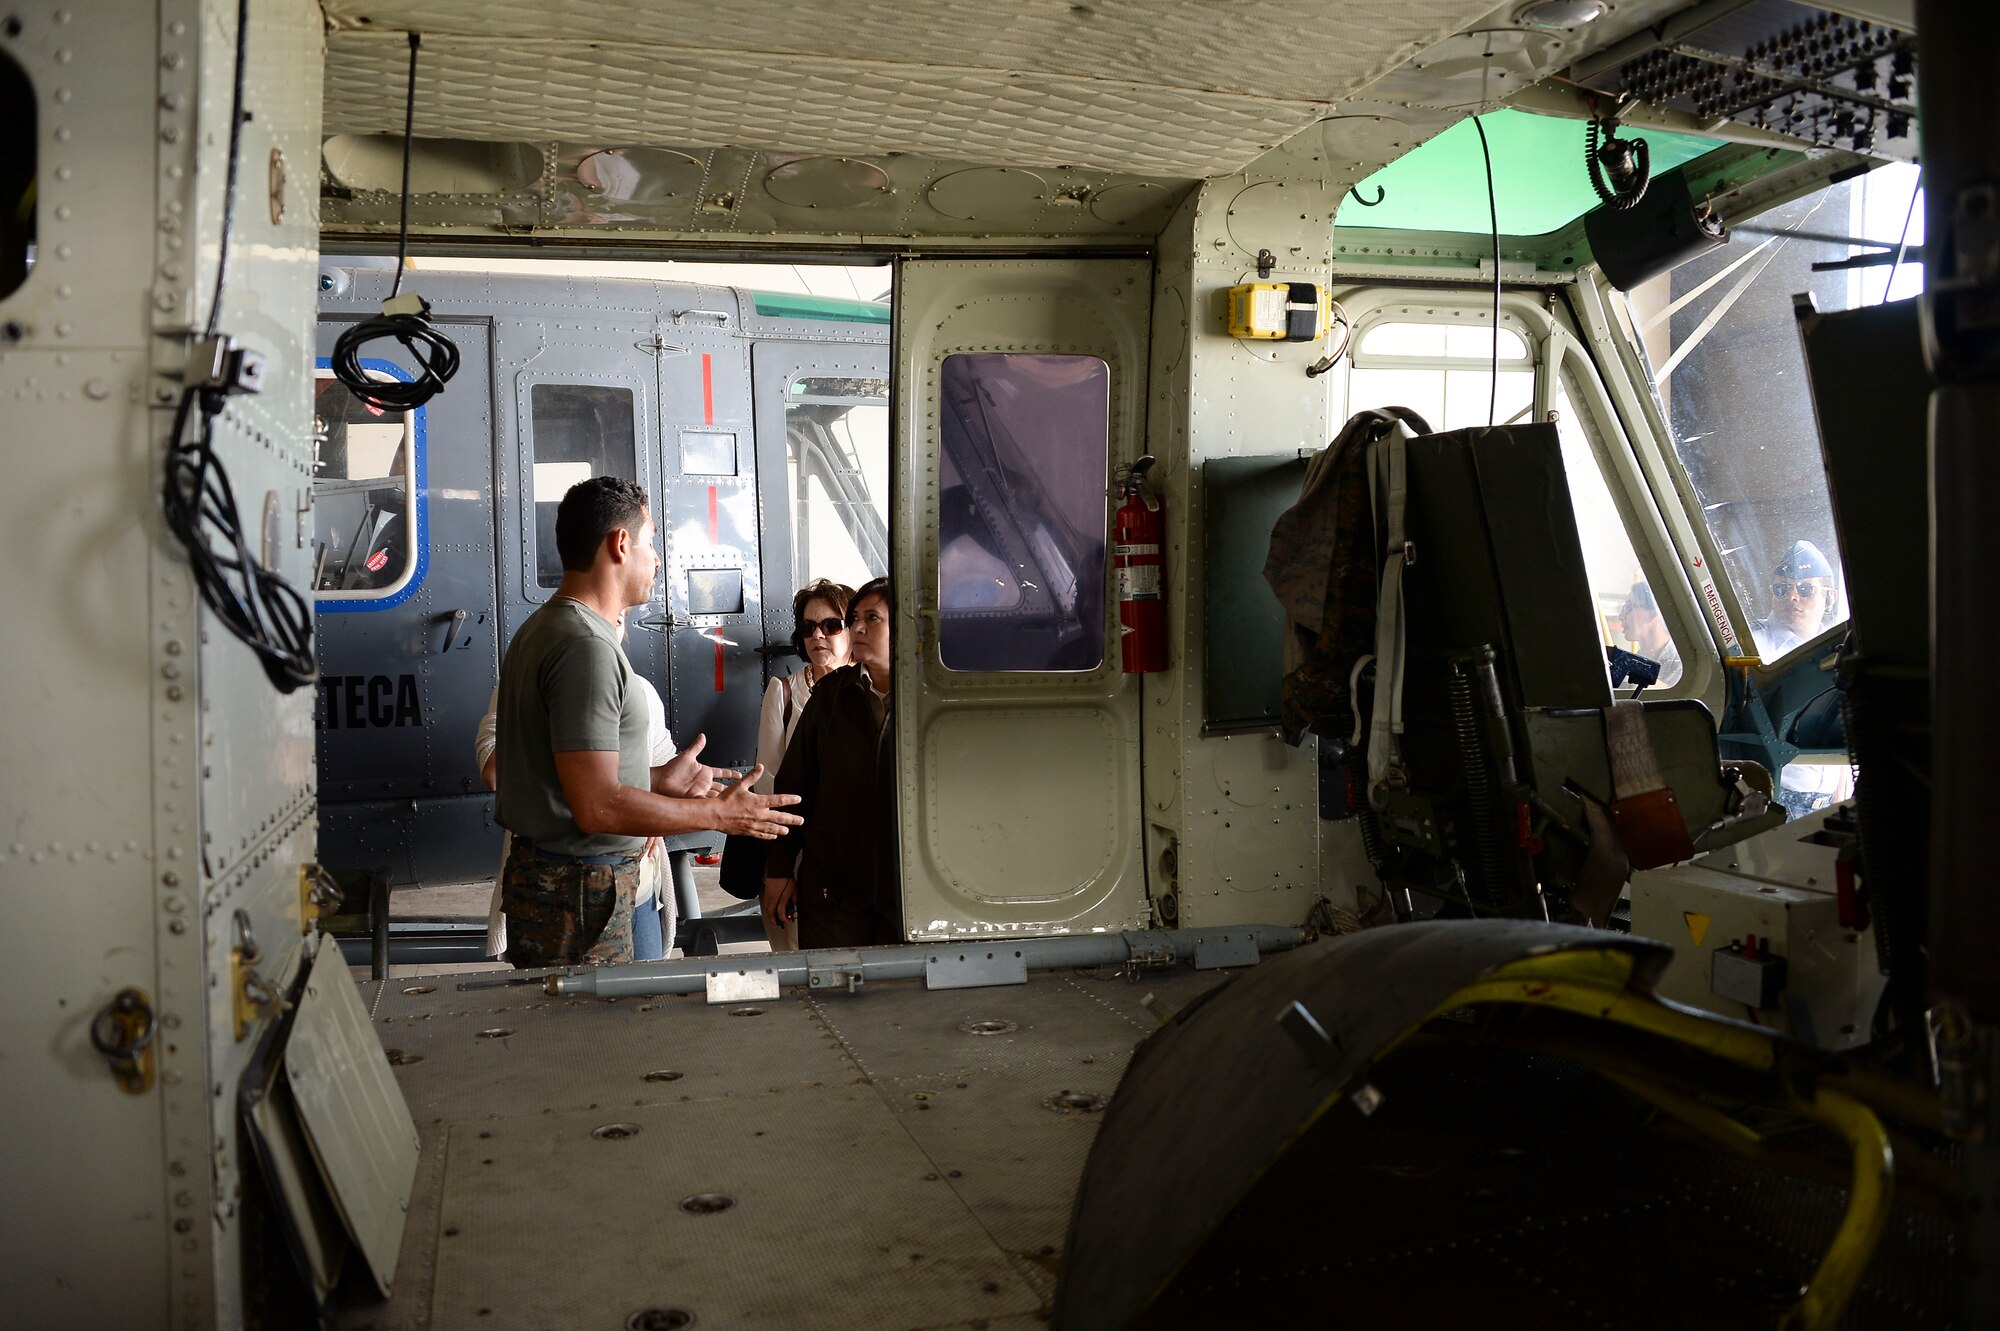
1183, 88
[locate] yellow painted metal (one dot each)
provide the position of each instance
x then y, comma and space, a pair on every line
1868, 1200
1595, 982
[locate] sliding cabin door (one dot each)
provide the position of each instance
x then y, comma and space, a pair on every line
1021, 386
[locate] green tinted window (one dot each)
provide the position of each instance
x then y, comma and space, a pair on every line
775, 305
1539, 182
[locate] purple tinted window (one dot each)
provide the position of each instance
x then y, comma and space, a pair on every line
1021, 512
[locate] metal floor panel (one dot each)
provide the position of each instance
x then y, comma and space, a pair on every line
559, 1054
1012, 1158
887, 1131
895, 1032
836, 1219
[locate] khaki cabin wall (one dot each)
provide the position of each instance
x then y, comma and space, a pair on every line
156, 785
1233, 826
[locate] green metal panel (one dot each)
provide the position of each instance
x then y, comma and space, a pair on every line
1242, 624
1539, 181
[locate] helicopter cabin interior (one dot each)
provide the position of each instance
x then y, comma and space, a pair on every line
1437, 699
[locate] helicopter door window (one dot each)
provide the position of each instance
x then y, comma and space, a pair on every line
17, 176
837, 474
579, 431
1021, 519
708, 452
715, 591
363, 482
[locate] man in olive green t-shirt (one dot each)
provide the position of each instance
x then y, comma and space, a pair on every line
575, 785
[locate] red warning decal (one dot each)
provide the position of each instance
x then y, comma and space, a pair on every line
720, 678
707, 389
377, 560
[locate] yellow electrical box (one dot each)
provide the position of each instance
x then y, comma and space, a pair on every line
1279, 311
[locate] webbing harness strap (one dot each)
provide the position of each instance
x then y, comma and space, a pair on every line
1389, 488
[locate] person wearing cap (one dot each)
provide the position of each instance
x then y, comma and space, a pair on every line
1647, 631
1801, 601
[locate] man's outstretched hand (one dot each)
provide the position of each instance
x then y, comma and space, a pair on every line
685, 776
741, 811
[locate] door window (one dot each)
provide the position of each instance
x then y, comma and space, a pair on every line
579, 431
837, 470
1021, 511
364, 484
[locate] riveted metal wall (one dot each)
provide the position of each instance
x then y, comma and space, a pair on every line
156, 784
1233, 828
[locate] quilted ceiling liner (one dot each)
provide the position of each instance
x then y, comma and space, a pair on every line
1185, 88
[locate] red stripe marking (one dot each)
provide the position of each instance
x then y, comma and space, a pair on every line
714, 519
718, 659
707, 389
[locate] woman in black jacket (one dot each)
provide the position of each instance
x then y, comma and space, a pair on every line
842, 765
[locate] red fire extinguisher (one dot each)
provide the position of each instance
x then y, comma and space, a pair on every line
1138, 531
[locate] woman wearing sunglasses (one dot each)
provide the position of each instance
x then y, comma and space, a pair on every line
819, 636
836, 876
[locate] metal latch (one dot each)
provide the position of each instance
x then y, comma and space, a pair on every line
319, 896
254, 998
123, 1032
219, 365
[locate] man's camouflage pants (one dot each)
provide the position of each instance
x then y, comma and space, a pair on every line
564, 912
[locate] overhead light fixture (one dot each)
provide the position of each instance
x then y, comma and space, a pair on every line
1558, 14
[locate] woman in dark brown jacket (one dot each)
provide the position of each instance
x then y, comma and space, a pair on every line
842, 765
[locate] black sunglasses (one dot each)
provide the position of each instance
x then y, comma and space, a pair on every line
829, 627
1806, 590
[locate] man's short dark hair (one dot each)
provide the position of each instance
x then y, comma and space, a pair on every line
591, 511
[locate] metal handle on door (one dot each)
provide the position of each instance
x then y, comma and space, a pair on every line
451, 634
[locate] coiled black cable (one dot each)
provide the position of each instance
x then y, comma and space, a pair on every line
258, 606
1601, 148
435, 356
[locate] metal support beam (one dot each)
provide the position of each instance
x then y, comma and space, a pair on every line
1148, 949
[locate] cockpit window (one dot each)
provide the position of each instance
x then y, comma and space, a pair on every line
837, 454
17, 176
1721, 338
1021, 513
363, 486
